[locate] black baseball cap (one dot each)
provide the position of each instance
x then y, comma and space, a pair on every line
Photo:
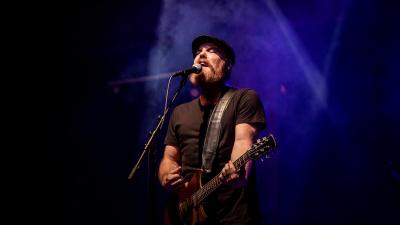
225, 47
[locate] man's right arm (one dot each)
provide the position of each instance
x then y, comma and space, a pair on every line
169, 171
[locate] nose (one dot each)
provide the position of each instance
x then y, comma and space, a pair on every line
200, 56
202, 53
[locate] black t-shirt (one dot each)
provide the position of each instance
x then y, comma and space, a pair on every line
186, 130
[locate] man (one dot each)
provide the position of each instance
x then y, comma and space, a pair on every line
188, 146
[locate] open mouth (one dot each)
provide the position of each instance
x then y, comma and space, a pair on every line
204, 64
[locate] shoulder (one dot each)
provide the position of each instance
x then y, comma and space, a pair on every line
248, 100
184, 107
246, 93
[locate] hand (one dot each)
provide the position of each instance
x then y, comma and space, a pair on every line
173, 180
229, 173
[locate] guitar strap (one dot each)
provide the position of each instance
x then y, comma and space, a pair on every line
213, 132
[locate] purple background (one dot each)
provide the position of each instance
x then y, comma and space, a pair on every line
327, 72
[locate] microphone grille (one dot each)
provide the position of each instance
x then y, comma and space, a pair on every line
197, 67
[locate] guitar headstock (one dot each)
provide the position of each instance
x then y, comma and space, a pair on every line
262, 146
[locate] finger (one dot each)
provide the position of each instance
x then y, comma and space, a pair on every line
234, 176
172, 183
232, 166
176, 170
172, 178
224, 170
227, 179
222, 175
177, 182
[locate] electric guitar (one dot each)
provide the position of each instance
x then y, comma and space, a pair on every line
189, 209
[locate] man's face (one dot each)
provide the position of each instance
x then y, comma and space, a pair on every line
213, 62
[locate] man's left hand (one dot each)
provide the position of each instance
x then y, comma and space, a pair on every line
229, 173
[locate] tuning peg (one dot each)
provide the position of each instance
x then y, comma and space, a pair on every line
262, 160
267, 156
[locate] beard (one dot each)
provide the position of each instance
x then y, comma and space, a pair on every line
206, 76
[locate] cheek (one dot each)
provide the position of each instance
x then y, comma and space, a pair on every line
215, 62
219, 66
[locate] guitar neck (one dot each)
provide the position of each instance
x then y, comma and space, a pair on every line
214, 183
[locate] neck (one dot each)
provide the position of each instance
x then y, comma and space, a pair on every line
212, 93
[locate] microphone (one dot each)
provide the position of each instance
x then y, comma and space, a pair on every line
196, 68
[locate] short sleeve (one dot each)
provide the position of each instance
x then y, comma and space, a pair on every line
171, 137
251, 110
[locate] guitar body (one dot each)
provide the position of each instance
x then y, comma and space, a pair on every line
178, 213
191, 215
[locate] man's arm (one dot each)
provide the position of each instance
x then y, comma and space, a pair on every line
244, 135
169, 171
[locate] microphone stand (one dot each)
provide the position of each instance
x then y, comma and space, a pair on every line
148, 149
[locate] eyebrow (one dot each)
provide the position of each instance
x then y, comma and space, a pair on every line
207, 48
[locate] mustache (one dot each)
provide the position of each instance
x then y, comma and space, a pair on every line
205, 64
